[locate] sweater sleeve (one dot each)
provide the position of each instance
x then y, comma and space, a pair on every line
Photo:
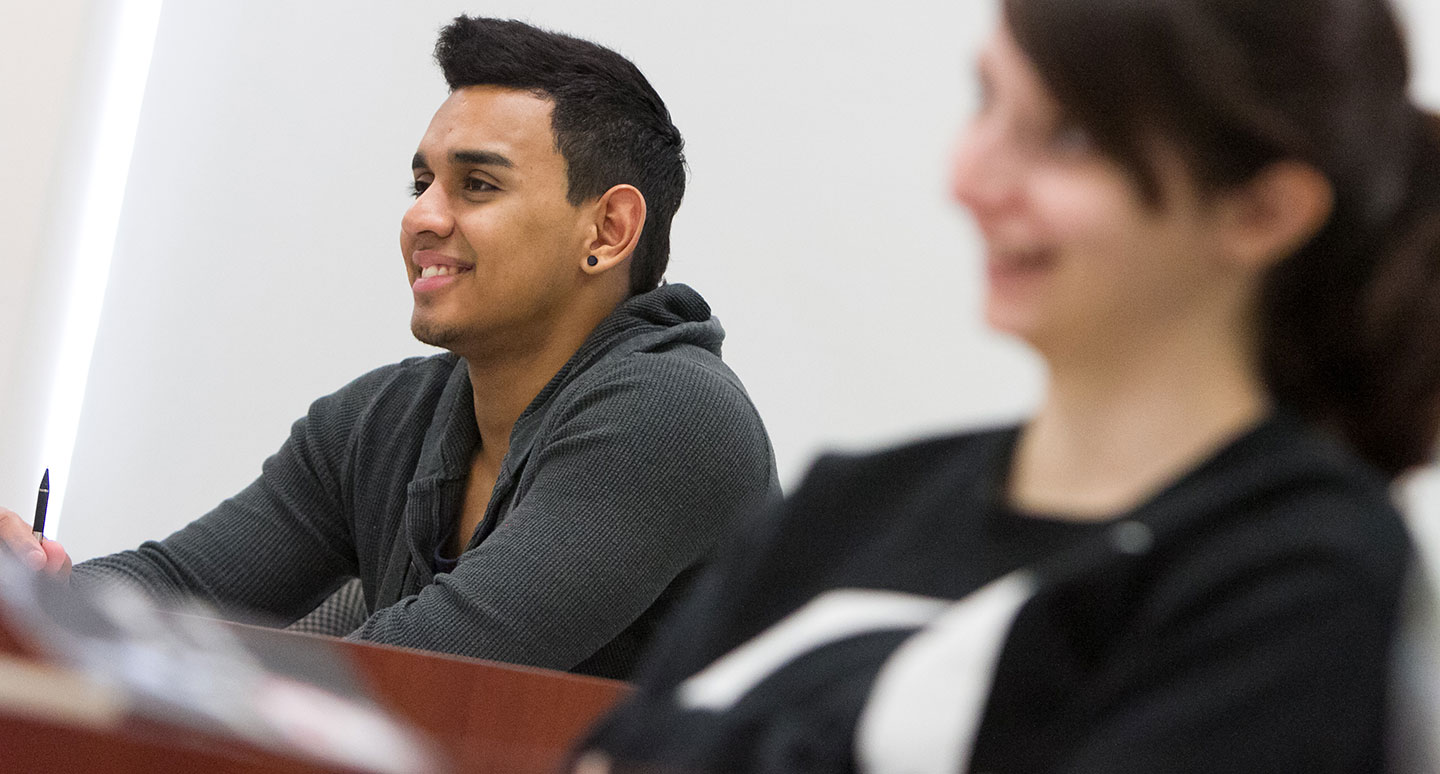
637, 477
278, 546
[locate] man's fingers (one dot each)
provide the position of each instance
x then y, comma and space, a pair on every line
15, 533
57, 562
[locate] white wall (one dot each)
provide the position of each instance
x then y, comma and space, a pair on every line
257, 264
42, 49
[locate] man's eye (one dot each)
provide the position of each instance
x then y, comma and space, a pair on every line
475, 184
418, 187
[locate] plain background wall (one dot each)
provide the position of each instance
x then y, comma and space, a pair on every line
257, 264
42, 58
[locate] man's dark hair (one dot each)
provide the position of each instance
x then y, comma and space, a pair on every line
610, 126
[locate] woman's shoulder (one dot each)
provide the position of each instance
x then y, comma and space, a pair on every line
1294, 471
1288, 497
921, 475
949, 456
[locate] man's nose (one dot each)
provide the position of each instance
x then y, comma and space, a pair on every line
429, 213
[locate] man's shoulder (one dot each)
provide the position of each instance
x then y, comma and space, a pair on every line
411, 385
410, 373
681, 364
676, 407
417, 369
657, 369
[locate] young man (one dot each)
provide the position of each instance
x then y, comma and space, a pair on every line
543, 491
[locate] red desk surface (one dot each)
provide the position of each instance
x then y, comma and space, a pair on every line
484, 716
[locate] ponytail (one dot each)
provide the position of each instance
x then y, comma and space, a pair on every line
1350, 325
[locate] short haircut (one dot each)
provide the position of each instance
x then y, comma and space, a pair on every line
610, 125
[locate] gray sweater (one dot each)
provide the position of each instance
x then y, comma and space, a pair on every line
621, 476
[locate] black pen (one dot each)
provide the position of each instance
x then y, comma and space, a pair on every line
42, 501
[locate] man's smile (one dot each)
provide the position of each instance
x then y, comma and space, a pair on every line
435, 270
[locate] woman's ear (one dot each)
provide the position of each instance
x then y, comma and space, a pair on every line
1275, 213
619, 219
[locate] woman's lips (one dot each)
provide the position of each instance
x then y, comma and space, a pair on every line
1015, 264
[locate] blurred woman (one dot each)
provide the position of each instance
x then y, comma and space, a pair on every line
1217, 221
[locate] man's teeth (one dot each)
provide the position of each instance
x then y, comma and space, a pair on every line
438, 271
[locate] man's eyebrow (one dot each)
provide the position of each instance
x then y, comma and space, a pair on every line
480, 158
475, 157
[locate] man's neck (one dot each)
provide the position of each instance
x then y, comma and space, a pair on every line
505, 380
1111, 434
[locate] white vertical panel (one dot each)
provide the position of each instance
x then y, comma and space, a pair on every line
102, 192
40, 64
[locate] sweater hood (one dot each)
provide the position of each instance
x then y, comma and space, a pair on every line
667, 316
671, 313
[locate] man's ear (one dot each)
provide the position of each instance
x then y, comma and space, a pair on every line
619, 219
1275, 213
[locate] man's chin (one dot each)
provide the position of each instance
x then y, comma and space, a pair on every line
427, 332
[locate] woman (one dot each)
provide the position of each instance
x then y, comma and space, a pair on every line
1217, 221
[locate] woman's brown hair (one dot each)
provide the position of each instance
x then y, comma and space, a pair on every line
1349, 325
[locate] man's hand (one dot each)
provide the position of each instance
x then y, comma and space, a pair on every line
45, 556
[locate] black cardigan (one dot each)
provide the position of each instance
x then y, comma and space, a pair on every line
1240, 620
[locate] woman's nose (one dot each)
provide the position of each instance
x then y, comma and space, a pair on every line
983, 172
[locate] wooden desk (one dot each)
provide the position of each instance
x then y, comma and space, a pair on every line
485, 716
489, 716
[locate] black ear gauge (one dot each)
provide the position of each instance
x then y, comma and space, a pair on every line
592, 260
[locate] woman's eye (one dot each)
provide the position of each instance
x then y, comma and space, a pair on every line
984, 92
1071, 140
418, 187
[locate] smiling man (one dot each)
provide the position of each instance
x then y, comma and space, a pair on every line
542, 492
